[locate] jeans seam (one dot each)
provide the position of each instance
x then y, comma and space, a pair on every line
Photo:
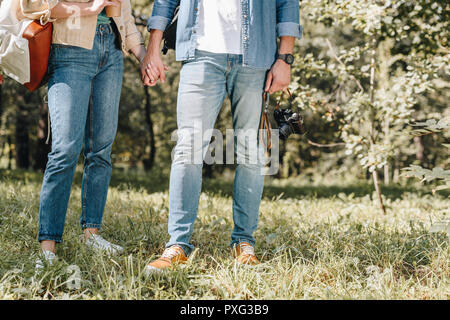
87, 162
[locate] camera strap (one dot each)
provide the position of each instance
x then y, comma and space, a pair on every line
264, 125
281, 98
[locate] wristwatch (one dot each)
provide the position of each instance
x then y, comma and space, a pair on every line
288, 58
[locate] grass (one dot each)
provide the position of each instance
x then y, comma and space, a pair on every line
316, 241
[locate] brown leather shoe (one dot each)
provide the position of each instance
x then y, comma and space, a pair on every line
245, 254
171, 256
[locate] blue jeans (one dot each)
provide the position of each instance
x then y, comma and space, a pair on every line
83, 98
204, 84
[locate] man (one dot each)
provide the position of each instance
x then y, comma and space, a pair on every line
228, 47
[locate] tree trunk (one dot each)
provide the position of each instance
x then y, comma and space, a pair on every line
386, 166
386, 174
148, 162
396, 177
420, 148
1, 113
42, 148
378, 191
208, 171
1, 105
10, 157
371, 119
22, 141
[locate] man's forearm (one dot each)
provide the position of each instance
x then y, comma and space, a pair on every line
286, 45
154, 43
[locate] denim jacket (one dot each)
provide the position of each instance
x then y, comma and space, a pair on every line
262, 22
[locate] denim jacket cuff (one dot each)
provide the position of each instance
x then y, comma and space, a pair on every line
289, 29
158, 23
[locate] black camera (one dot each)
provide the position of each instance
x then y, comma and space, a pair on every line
288, 122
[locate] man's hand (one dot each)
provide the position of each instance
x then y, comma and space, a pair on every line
152, 66
152, 69
279, 77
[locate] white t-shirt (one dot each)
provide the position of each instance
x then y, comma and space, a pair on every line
219, 26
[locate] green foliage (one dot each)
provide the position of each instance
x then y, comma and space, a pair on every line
389, 55
437, 173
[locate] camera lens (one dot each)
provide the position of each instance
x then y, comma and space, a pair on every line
285, 131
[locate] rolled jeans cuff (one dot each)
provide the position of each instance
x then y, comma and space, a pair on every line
240, 240
90, 225
43, 237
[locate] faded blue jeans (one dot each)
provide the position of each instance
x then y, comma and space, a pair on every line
204, 84
83, 98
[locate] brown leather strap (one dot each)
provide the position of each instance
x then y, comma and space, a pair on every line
281, 98
265, 123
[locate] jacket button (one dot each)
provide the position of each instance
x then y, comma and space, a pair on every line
121, 27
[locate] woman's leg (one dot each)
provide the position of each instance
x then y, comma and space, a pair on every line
100, 131
71, 73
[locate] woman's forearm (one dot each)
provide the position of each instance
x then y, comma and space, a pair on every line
139, 52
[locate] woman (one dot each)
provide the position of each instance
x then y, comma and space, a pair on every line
85, 70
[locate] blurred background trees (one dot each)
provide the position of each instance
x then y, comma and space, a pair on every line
365, 73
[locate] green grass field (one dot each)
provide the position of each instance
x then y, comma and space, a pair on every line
316, 241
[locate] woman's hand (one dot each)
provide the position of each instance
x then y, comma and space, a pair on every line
152, 69
97, 6
139, 52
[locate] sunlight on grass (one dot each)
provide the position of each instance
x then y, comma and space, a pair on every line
321, 243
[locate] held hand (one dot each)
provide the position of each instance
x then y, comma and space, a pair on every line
99, 5
279, 77
152, 69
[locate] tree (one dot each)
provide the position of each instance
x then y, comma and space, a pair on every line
379, 76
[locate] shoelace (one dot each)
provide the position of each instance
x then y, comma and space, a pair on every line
46, 256
247, 249
170, 253
100, 241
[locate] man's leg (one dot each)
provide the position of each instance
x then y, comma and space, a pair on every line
246, 89
201, 94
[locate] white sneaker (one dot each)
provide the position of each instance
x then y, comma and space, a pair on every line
45, 258
97, 242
